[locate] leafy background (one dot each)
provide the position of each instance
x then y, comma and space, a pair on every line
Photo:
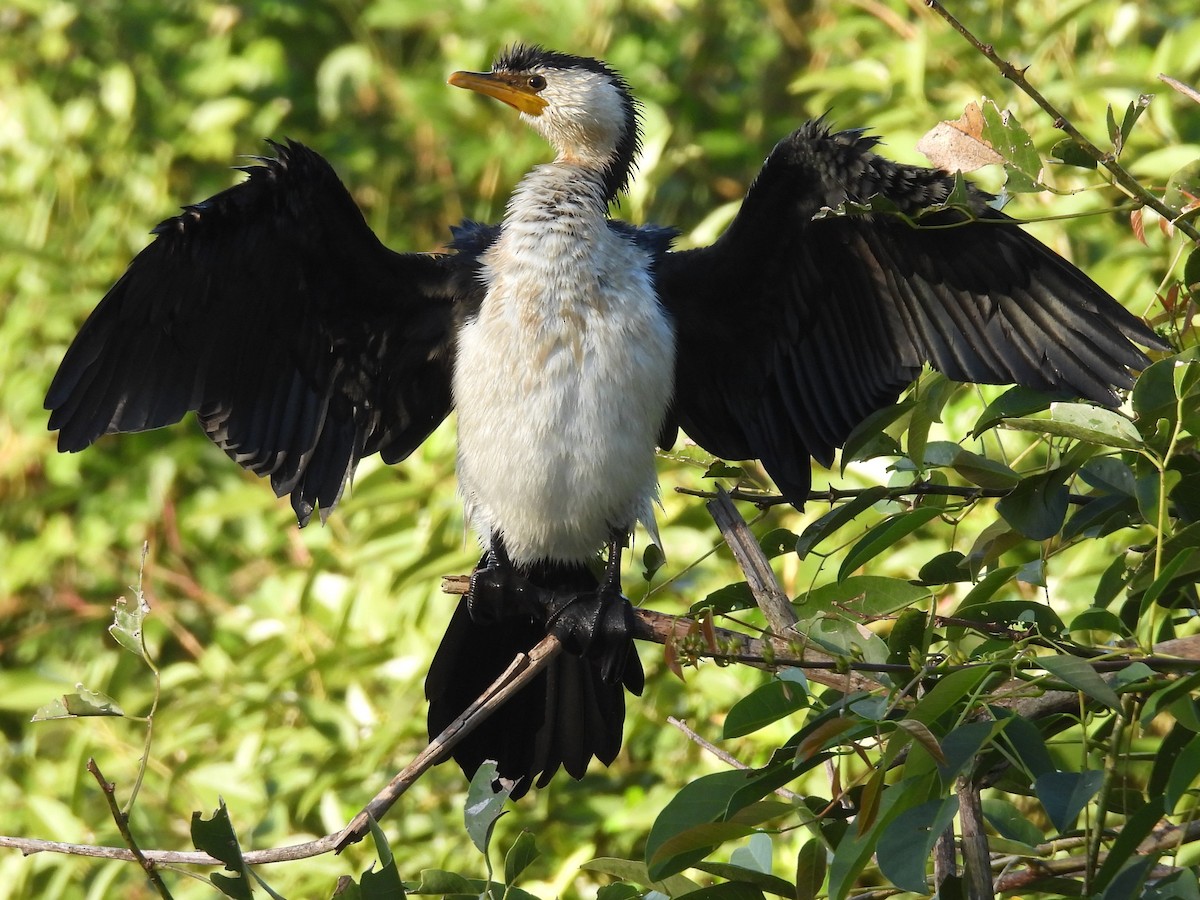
291, 661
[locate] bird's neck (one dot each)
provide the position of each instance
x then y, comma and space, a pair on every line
563, 191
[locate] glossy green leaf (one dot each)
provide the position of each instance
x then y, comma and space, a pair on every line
884, 537
764, 705
836, 518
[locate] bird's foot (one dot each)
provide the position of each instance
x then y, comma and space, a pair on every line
597, 624
497, 591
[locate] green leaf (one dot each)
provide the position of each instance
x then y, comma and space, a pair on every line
1037, 507
519, 857
866, 595
727, 599
1098, 620
810, 870
868, 438
763, 881
1185, 774
1011, 822
1082, 422
1064, 795
216, 837
485, 805
987, 473
909, 638
729, 890
883, 537
962, 746
1025, 743
696, 819
947, 692
439, 881
1191, 272
907, 843
836, 518
945, 568
854, 850
777, 542
1138, 827
1015, 403
629, 870
1109, 475
1017, 614
701, 802
384, 884
1002, 130
126, 628
618, 890
1183, 189
764, 705
979, 595
932, 394
1081, 676
81, 704
755, 856
1071, 154
653, 559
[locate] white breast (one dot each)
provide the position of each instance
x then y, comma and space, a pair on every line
562, 381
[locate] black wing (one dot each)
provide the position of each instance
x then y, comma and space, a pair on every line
792, 330
272, 310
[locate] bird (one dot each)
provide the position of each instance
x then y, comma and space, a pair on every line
571, 345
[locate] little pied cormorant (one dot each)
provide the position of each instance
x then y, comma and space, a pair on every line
571, 345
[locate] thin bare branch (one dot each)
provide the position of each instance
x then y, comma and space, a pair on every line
769, 596
1120, 176
110, 796
727, 758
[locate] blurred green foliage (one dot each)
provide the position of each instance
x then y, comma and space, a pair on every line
291, 662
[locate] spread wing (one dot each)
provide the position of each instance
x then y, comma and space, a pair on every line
273, 312
791, 331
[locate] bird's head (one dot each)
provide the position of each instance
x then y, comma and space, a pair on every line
582, 107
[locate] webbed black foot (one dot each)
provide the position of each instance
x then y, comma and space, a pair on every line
598, 625
498, 590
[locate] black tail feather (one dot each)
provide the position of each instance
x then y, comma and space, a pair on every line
562, 718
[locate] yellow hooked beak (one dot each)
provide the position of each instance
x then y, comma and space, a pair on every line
515, 90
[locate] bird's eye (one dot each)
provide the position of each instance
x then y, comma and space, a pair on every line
537, 82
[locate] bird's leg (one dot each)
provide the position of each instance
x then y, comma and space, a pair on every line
498, 590
599, 623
